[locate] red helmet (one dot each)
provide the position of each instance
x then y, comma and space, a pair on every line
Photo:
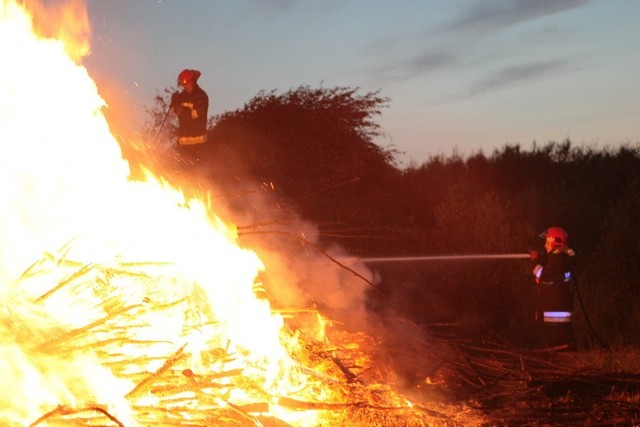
556, 236
188, 77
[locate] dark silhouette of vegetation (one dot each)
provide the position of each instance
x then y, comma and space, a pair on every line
315, 148
314, 145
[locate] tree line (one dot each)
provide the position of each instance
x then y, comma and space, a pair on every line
315, 147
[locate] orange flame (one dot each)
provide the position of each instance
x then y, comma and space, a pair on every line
67, 201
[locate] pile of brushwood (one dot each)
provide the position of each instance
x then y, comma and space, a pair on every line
415, 378
521, 387
339, 379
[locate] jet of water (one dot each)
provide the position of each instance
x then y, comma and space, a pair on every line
442, 258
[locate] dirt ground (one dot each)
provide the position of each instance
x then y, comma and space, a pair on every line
488, 384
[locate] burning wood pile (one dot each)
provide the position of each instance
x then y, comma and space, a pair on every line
150, 313
205, 381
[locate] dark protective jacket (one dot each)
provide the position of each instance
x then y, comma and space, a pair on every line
557, 267
192, 109
553, 288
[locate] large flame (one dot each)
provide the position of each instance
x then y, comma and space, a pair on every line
74, 231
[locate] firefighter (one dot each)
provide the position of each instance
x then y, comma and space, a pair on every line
553, 289
191, 105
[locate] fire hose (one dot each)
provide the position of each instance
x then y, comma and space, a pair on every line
162, 124
444, 258
171, 104
586, 317
480, 257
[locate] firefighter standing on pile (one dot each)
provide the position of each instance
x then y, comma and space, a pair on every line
553, 274
191, 105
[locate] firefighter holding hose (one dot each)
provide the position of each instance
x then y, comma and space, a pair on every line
553, 275
191, 105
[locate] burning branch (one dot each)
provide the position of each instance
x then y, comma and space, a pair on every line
62, 411
67, 337
142, 386
314, 246
84, 270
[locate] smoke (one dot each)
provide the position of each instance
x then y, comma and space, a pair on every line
300, 272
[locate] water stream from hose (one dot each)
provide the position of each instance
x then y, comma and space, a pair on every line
443, 258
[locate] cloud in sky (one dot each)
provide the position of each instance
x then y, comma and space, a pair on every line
467, 44
484, 16
422, 63
442, 63
511, 75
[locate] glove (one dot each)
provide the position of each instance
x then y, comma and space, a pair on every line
534, 254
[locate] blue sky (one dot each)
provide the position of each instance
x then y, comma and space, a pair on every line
462, 75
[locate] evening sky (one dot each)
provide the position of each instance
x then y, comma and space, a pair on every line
461, 75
